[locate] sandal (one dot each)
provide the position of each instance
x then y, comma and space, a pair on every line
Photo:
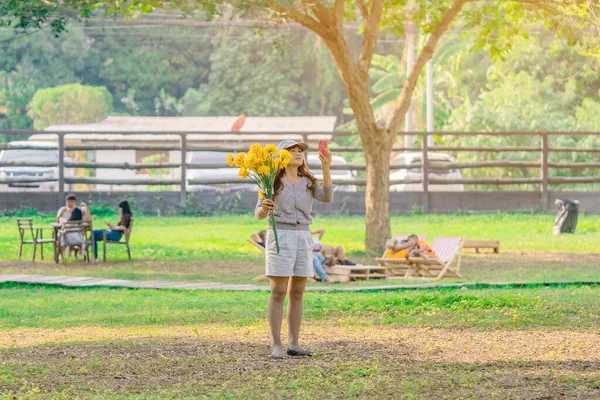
299, 353
277, 356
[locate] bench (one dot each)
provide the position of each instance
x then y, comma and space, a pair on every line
482, 244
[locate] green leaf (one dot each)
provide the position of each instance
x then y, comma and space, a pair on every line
385, 98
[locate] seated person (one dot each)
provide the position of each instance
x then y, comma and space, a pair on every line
423, 250
318, 267
64, 213
116, 231
71, 239
85, 212
331, 255
401, 248
410, 247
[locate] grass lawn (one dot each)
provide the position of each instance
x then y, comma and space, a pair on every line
215, 248
446, 344
224, 237
535, 343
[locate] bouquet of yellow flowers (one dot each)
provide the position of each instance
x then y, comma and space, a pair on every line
261, 164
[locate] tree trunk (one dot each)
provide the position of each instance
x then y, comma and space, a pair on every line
377, 193
377, 143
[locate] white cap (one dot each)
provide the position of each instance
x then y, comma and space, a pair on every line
289, 143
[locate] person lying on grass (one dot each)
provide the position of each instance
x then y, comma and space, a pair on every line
319, 270
259, 238
331, 255
409, 247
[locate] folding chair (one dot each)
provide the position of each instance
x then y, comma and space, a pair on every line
447, 248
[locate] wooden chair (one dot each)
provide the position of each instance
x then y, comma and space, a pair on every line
126, 234
37, 236
448, 250
85, 228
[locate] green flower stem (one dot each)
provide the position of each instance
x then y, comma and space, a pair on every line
275, 231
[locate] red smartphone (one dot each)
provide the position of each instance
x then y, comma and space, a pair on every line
323, 147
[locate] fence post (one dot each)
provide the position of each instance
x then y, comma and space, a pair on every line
61, 169
544, 171
183, 188
425, 172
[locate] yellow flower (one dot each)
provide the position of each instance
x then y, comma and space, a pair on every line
256, 149
282, 160
238, 161
265, 170
285, 154
249, 160
230, 160
261, 194
269, 150
243, 173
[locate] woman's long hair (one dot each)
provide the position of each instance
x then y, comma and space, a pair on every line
303, 171
76, 215
125, 206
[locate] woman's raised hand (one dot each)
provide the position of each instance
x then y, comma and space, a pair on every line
325, 160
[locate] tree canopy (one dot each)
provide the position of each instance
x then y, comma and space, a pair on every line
493, 25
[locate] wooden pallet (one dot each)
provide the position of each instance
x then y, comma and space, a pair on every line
482, 244
347, 273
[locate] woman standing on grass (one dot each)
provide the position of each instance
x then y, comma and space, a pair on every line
294, 191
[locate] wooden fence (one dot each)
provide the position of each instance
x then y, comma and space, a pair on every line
543, 179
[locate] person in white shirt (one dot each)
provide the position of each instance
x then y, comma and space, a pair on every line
64, 214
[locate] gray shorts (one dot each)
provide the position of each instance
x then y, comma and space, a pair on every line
295, 253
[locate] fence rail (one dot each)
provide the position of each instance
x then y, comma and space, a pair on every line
185, 142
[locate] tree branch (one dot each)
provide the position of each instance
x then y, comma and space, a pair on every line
338, 11
403, 102
371, 34
303, 19
363, 9
322, 13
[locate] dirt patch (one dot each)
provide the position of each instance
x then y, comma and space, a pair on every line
423, 344
214, 360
